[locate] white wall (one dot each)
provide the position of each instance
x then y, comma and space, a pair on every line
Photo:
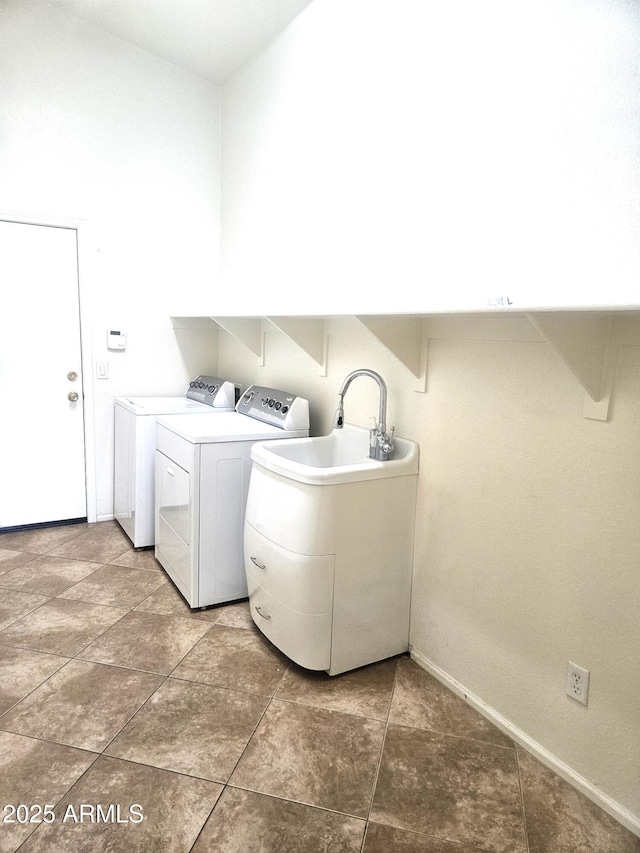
433, 155
96, 130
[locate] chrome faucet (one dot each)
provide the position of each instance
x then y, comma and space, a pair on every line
381, 444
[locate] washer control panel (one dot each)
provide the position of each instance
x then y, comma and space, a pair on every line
213, 391
274, 407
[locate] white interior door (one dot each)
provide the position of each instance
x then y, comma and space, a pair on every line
42, 453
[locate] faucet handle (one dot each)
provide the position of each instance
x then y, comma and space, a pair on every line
386, 443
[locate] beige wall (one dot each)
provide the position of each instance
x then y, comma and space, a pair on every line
529, 550
427, 161
527, 542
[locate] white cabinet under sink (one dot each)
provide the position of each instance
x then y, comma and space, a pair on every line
329, 566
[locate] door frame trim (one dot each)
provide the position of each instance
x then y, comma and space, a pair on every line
84, 240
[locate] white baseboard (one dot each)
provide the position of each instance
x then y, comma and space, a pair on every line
622, 815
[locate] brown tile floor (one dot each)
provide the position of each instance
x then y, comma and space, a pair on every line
116, 700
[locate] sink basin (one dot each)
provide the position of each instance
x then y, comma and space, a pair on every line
340, 457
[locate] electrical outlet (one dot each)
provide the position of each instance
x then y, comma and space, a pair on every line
577, 683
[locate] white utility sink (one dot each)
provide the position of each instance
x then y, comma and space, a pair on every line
328, 547
340, 457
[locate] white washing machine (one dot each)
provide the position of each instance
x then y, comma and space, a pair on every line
135, 447
203, 467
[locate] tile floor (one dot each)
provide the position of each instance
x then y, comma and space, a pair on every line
114, 694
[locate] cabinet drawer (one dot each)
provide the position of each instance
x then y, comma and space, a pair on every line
303, 637
174, 555
173, 496
300, 582
296, 515
176, 448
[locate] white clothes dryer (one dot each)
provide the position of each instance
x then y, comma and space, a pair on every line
203, 467
135, 447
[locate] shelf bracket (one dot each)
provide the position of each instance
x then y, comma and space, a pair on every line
404, 336
599, 410
248, 330
309, 334
584, 343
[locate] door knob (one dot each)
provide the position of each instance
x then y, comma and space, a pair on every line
73, 396
72, 376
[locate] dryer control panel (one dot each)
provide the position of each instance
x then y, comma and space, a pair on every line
213, 391
274, 407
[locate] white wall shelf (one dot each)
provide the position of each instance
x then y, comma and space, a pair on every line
586, 341
405, 337
309, 334
248, 330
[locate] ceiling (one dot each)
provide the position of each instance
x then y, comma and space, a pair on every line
210, 38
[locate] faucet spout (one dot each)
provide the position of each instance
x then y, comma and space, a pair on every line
382, 410
383, 445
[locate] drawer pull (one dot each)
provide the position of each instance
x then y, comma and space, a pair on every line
255, 562
264, 615
170, 471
